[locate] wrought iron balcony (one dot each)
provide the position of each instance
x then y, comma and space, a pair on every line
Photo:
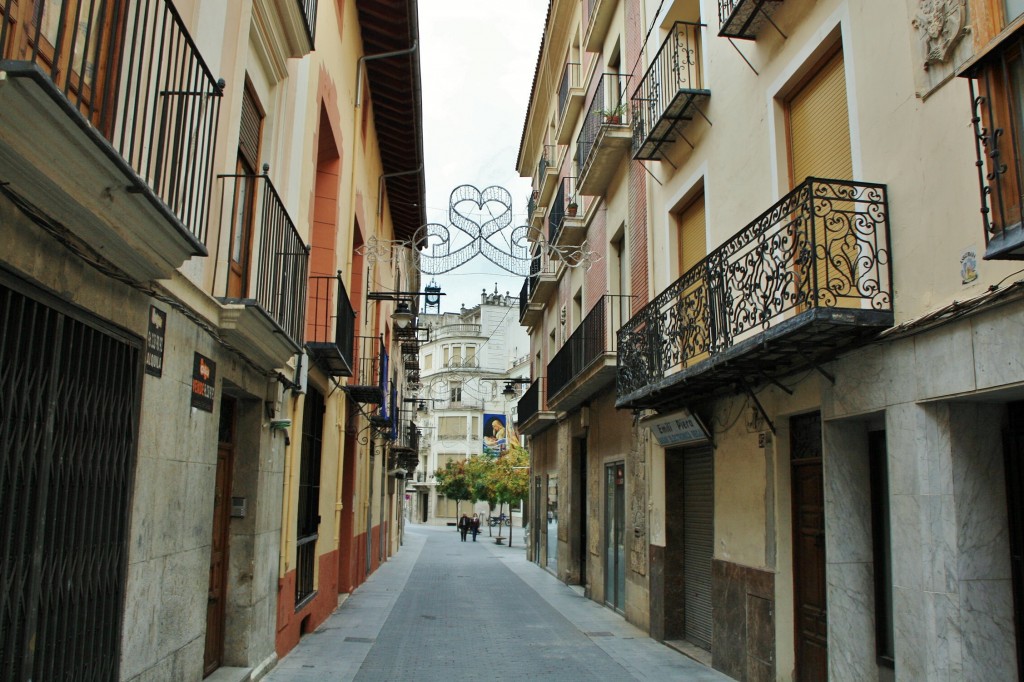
604, 136
369, 382
586, 363
671, 93
600, 14
537, 288
566, 226
570, 100
308, 10
330, 344
997, 134
265, 288
532, 409
546, 179
108, 124
809, 278
745, 18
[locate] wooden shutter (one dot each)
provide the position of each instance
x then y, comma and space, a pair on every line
819, 126
250, 129
692, 235
698, 543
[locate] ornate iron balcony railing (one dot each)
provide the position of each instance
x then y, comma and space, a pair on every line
671, 91
744, 18
275, 275
330, 344
608, 107
369, 381
132, 71
308, 8
593, 338
524, 295
995, 88
825, 245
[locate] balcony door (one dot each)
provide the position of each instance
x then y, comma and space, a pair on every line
614, 536
243, 212
76, 42
217, 592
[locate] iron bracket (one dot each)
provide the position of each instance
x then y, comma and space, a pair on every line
760, 408
831, 379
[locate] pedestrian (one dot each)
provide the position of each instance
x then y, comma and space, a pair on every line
464, 524
474, 526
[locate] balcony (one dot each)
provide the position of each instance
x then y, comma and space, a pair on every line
566, 225
546, 178
264, 303
287, 27
330, 325
745, 18
586, 363
450, 330
532, 410
810, 278
537, 289
605, 135
570, 100
671, 93
369, 382
599, 17
108, 125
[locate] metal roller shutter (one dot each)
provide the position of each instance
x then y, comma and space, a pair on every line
692, 235
699, 543
819, 126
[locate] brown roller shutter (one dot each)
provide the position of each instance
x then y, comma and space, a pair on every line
694, 338
692, 235
250, 129
819, 126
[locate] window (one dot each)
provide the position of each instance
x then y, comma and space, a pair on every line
456, 357
692, 234
455, 391
451, 428
428, 361
475, 424
445, 355
244, 208
470, 356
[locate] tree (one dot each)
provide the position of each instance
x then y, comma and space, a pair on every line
453, 483
510, 477
479, 475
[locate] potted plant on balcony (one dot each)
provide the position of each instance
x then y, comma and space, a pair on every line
571, 207
614, 115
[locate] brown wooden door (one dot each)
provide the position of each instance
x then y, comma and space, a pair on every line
217, 595
811, 613
243, 211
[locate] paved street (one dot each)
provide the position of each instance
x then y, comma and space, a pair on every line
442, 609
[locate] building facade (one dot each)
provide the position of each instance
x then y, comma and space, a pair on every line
464, 365
185, 189
818, 407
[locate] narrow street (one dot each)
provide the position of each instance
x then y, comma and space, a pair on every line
442, 609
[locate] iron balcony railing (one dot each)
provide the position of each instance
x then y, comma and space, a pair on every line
608, 107
308, 8
570, 80
548, 159
524, 294
532, 401
330, 324
371, 370
593, 338
565, 204
744, 18
823, 245
670, 92
132, 70
463, 363
276, 280
998, 137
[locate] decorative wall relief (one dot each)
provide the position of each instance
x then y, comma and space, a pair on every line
940, 25
637, 521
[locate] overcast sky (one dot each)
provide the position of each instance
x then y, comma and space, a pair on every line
477, 63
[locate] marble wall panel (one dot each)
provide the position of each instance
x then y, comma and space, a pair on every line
945, 361
851, 621
944, 646
743, 639
986, 613
911, 644
847, 492
139, 628
993, 365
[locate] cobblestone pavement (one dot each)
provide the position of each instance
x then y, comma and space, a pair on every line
442, 609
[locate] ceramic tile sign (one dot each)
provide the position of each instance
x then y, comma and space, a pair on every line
155, 342
204, 378
678, 428
968, 266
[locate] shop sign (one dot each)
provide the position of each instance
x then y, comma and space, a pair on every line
204, 378
678, 428
155, 342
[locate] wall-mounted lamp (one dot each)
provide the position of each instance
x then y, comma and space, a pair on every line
402, 317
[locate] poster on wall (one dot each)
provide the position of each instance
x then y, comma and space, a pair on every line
204, 378
495, 436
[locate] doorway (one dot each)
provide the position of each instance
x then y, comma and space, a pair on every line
581, 495
810, 608
1013, 447
217, 593
614, 536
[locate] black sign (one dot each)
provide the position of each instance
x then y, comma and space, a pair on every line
204, 378
155, 342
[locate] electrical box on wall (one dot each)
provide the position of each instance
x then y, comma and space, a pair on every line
238, 507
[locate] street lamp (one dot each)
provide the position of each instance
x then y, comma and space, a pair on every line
402, 316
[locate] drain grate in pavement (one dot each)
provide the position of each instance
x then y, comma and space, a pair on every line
361, 640
598, 634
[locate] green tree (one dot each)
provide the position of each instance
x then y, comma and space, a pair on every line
480, 476
510, 478
453, 483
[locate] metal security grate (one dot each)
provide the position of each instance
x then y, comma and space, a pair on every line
69, 395
309, 496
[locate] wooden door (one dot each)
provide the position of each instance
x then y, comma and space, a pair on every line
1013, 449
811, 613
243, 211
217, 594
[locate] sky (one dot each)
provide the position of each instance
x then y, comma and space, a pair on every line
477, 62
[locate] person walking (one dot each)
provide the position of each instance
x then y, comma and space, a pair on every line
474, 526
464, 524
